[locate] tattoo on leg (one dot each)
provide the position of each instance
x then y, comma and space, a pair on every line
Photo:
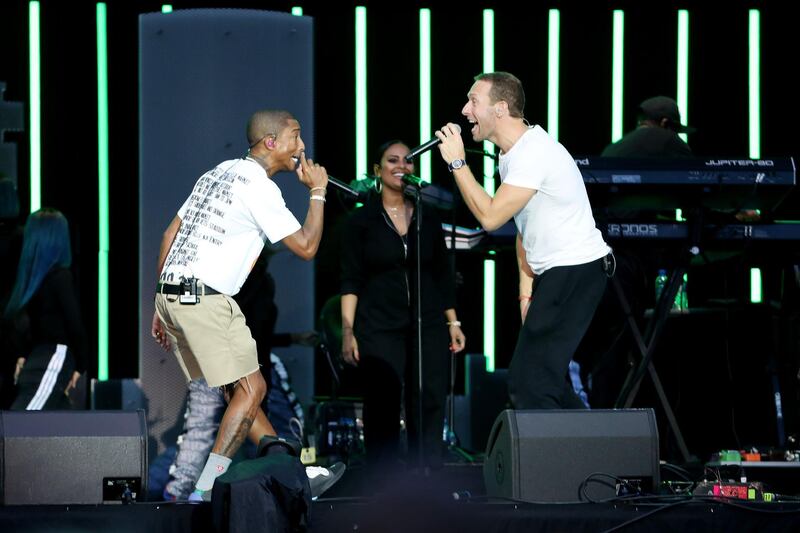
232, 440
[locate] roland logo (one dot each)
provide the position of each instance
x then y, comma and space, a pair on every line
740, 163
582, 162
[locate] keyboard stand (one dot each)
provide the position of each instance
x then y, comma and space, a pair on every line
647, 343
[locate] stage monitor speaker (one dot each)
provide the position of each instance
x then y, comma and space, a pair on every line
546, 456
72, 457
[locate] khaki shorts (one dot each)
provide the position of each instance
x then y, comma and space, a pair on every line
210, 339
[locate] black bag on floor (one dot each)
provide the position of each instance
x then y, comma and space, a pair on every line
270, 493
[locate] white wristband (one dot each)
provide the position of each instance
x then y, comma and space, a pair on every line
318, 197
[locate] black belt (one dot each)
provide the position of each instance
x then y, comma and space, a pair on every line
171, 288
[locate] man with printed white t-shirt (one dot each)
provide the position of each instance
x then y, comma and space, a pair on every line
207, 253
563, 261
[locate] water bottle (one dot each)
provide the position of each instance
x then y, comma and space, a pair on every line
661, 282
676, 305
683, 302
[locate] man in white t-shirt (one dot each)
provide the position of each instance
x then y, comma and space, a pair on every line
206, 254
563, 261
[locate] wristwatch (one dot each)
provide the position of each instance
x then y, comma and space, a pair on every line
455, 165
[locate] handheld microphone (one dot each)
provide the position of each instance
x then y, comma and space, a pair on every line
414, 181
422, 148
359, 195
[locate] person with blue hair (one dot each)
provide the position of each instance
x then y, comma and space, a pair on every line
50, 340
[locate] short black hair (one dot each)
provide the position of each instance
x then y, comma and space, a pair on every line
265, 122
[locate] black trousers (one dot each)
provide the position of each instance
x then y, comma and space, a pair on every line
389, 381
564, 301
41, 383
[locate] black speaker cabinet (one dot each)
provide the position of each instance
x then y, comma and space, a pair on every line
72, 457
545, 456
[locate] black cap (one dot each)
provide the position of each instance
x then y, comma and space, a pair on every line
660, 107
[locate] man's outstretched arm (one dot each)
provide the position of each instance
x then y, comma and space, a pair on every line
491, 212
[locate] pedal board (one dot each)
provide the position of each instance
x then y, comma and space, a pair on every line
753, 491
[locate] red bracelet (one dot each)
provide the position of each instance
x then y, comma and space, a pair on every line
523, 297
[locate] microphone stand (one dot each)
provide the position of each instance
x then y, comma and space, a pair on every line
452, 437
415, 190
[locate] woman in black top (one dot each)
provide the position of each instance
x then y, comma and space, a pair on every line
379, 313
44, 310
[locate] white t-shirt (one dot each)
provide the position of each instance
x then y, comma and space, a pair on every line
233, 208
556, 225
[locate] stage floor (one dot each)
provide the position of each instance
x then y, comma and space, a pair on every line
448, 500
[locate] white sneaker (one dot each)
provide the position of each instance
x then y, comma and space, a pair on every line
321, 479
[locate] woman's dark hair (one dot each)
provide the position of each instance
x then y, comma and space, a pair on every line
45, 246
385, 146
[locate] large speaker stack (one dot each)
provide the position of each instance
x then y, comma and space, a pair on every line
72, 457
571, 455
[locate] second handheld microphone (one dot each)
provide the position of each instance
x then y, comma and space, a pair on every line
422, 148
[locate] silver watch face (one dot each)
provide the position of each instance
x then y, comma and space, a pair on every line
458, 163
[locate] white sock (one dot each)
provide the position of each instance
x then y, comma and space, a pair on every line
215, 466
